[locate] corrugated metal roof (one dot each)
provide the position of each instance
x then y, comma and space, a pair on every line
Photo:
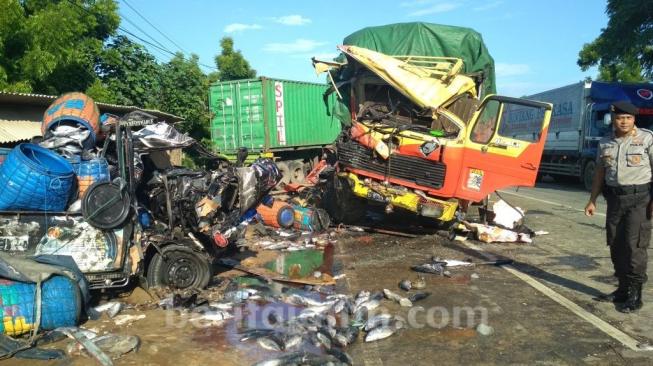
46, 100
14, 131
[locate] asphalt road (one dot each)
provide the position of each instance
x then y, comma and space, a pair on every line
541, 310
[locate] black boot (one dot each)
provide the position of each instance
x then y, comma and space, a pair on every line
634, 300
617, 296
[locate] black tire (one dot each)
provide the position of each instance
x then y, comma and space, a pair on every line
285, 172
182, 268
296, 169
588, 174
341, 203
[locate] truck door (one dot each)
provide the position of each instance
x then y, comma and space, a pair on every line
503, 146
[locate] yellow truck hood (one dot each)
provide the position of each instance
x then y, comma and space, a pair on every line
429, 82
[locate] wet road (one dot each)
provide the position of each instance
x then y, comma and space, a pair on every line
527, 326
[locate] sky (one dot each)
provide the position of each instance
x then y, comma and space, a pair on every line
534, 44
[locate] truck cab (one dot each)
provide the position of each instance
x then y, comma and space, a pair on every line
421, 140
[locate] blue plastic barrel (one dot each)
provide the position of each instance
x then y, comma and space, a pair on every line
91, 171
61, 305
35, 178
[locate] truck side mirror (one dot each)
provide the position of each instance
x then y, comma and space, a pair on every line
607, 119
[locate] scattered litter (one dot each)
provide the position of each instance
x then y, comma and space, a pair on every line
405, 285
490, 234
113, 345
419, 283
340, 276
127, 319
110, 308
484, 329
418, 296
541, 232
506, 215
403, 301
474, 276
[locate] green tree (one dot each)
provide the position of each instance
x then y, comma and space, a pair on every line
51, 46
129, 75
231, 63
624, 49
184, 92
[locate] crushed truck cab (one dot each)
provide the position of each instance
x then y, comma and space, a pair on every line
418, 137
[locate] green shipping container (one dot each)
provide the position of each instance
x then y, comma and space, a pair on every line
267, 115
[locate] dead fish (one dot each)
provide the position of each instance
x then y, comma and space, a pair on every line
323, 340
378, 320
292, 341
370, 304
419, 283
111, 308
222, 305
378, 295
115, 345
360, 315
405, 285
346, 336
255, 334
435, 268
339, 306
419, 296
341, 356
270, 343
217, 315
362, 293
382, 332
398, 298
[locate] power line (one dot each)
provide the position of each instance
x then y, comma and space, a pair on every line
142, 31
153, 26
159, 46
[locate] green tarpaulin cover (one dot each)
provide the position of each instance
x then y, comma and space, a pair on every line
427, 39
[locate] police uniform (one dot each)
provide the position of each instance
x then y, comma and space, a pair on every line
627, 161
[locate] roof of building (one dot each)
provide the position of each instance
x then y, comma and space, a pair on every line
46, 100
14, 131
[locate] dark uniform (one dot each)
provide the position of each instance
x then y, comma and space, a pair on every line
627, 161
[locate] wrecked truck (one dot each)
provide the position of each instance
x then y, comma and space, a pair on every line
422, 129
151, 220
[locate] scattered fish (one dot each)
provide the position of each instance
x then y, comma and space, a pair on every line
270, 342
419, 283
347, 336
110, 308
124, 319
418, 296
398, 298
434, 268
382, 332
405, 285
378, 320
341, 356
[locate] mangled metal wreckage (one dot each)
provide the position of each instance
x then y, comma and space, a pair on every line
152, 219
418, 138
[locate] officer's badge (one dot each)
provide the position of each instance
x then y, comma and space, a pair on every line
634, 159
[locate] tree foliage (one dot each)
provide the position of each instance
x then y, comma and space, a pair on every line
184, 92
129, 75
57, 46
50, 46
231, 63
624, 49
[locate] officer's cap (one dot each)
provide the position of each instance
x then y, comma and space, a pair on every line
623, 107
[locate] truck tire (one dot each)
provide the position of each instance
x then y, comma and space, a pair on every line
588, 174
179, 267
285, 172
341, 203
296, 169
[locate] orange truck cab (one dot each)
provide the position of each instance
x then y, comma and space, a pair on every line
417, 136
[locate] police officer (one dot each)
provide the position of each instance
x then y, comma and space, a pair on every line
623, 175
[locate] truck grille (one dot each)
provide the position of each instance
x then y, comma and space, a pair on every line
420, 171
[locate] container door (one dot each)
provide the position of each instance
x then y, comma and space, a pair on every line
503, 146
224, 123
250, 115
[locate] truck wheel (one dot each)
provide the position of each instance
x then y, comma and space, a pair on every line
588, 174
296, 168
285, 172
341, 203
179, 267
